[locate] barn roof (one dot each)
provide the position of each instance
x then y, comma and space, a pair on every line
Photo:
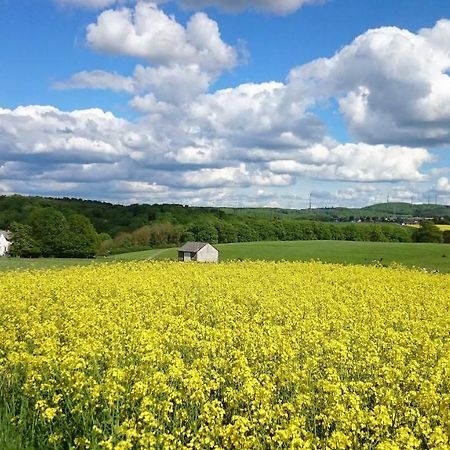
193, 247
5, 233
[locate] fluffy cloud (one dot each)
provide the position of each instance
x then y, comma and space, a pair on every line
357, 162
185, 61
256, 116
148, 33
218, 145
234, 176
44, 133
392, 85
97, 79
443, 185
175, 84
93, 147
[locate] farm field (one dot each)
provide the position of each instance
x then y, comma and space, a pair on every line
242, 355
441, 227
58, 263
429, 256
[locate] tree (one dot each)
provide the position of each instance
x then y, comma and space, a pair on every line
376, 234
205, 232
246, 233
23, 243
446, 236
123, 241
351, 232
105, 244
141, 236
51, 231
428, 232
83, 240
227, 232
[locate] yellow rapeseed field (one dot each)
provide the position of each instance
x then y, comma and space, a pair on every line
242, 355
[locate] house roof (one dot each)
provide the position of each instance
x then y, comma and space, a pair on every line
193, 247
5, 233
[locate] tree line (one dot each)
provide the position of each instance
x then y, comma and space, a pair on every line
47, 232
115, 219
251, 229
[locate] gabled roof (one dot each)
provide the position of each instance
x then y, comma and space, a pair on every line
5, 233
193, 247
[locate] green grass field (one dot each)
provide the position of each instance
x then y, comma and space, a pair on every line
429, 256
55, 263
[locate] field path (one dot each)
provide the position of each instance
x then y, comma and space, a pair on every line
157, 253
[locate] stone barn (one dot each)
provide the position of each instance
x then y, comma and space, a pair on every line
198, 251
5, 236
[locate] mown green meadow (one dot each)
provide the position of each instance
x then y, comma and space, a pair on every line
428, 256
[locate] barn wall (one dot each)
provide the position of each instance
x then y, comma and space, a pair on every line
207, 254
184, 256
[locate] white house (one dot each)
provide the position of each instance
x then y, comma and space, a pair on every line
198, 251
4, 242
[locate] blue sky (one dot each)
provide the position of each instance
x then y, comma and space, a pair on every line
226, 102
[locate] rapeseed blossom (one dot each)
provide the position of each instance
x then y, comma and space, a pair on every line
241, 355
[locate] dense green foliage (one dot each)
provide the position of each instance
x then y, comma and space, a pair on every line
24, 244
256, 229
383, 212
112, 219
50, 234
446, 236
79, 228
428, 232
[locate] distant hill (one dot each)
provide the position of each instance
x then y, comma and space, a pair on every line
407, 209
112, 219
380, 211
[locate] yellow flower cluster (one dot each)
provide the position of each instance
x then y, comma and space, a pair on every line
241, 355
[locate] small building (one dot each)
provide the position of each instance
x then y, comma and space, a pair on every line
198, 251
5, 242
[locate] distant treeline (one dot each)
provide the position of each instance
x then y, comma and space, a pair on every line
251, 229
112, 219
105, 217
77, 228
49, 233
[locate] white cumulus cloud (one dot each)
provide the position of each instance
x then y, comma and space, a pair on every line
443, 185
147, 32
357, 162
392, 85
97, 79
